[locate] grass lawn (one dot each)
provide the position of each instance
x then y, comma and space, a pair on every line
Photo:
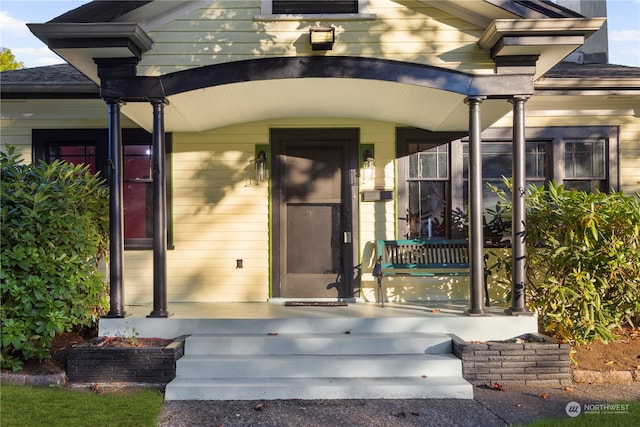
624, 418
22, 406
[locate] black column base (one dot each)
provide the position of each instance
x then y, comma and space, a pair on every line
159, 314
515, 311
115, 314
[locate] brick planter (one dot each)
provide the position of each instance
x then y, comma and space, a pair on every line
531, 359
87, 362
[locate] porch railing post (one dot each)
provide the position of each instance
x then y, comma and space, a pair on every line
116, 227
159, 213
518, 213
476, 238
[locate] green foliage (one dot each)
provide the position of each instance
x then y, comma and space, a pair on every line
583, 261
54, 233
8, 60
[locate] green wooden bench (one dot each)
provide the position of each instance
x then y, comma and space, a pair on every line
423, 258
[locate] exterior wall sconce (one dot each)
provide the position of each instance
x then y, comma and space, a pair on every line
261, 166
368, 166
322, 38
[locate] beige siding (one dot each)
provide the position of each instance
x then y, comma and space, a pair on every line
220, 215
227, 31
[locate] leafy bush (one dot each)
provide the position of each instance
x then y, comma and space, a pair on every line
54, 233
583, 261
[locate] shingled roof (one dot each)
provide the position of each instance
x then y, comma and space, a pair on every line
53, 81
565, 70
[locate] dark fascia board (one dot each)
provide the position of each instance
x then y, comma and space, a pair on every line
142, 88
531, 9
84, 35
51, 91
99, 11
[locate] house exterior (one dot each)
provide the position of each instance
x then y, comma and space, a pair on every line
257, 149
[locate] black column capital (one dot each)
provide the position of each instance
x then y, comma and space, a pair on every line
476, 99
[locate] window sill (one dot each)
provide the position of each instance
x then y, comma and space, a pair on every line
316, 16
141, 245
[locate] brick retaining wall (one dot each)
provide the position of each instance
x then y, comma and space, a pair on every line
538, 360
154, 365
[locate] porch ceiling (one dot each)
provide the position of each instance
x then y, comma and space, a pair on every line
404, 104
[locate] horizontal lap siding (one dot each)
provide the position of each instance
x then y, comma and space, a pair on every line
226, 31
218, 217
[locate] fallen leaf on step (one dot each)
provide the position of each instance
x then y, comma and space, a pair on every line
567, 388
415, 414
497, 386
518, 405
272, 334
424, 376
259, 406
435, 310
544, 395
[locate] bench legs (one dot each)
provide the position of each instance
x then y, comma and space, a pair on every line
380, 291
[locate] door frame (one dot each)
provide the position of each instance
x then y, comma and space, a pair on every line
351, 136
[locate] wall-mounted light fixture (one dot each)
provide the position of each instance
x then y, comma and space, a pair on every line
322, 38
368, 165
261, 166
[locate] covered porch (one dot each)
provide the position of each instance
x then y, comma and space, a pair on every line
273, 317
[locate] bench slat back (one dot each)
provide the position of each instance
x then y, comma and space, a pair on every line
417, 253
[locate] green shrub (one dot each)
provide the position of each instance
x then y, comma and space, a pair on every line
54, 233
583, 261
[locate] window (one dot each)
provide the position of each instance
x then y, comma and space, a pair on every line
90, 147
433, 173
585, 165
425, 169
497, 162
313, 6
340, 9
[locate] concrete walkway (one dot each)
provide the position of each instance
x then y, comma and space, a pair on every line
515, 405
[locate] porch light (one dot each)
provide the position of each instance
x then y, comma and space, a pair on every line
261, 167
368, 166
322, 38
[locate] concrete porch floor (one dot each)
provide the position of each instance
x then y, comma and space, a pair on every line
275, 317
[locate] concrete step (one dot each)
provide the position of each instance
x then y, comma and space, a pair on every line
321, 364
454, 387
319, 343
307, 366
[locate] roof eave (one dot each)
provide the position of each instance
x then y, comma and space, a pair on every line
94, 35
501, 28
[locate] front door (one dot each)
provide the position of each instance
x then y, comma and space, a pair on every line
314, 187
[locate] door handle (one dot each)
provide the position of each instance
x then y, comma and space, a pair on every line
346, 237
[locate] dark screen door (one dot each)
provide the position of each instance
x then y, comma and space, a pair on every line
314, 238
